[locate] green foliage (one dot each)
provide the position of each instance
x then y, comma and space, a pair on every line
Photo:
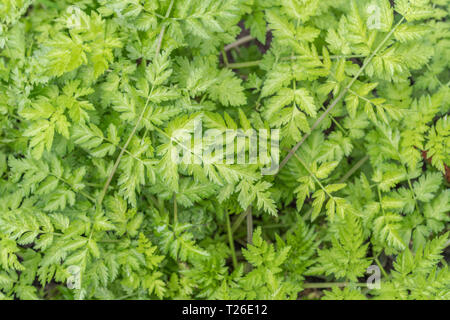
96, 98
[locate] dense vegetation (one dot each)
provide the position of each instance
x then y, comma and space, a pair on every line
93, 206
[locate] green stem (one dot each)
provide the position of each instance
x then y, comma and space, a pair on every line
239, 220
244, 64
381, 268
345, 177
225, 58
175, 209
72, 187
409, 183
116, 164
163, 30
177, 142
258, 62
322, 285
400, 159
359, 96
249, 226
335, 122
118, 147
238, 42
231, 241
248, 266
355, 168
340, 97
379, 198
313, 176
276, 225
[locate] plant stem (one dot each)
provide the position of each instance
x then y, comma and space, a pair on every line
248, 266
249, 226
244, 64
381, 268
239, 220
117, 146
339, 98
313, 176
331, 57
355, 168
257, 62
175, 209
116, 164
238, 42
179, 143
322, 285
346, 176
335, 122
72, 187
379, 199
409, 183
225, 59
231, 241
274, 226
163, 29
